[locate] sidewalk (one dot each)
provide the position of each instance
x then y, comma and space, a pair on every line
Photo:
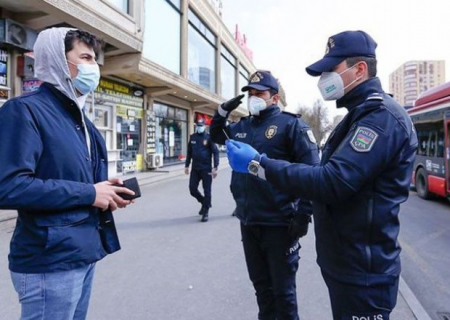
408, 307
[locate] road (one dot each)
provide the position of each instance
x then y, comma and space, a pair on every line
425, 239
173, 267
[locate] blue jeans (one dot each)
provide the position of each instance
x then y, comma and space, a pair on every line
272, 262
54, 296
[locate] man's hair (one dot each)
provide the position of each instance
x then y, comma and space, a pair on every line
90, 40
371, 64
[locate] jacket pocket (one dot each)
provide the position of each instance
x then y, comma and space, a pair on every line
79, 241
61, 219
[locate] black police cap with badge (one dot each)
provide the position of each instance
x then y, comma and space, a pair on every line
261, 81
342, 46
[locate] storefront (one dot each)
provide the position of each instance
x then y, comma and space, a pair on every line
118, 114
170, 132
4, 76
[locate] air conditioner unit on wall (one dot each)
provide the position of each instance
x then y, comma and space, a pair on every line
17, 35
154, 160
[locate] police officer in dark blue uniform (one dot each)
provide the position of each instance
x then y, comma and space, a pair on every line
272, 220
200, 150
364, 176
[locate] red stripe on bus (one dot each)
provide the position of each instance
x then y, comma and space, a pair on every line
437, 185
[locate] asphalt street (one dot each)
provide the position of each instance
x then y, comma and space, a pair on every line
173, 267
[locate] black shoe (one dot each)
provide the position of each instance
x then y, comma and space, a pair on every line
203, 210
205, 217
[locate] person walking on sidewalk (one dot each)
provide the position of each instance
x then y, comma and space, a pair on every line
201, 150
53, 172
364, 176
272, 220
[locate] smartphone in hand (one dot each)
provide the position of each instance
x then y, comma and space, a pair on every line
131, 184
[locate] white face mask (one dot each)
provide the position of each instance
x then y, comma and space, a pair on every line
331, 85
256, 104
200, 129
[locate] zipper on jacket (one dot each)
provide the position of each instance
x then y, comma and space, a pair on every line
369, 233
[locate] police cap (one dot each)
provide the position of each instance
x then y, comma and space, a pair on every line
261, 81
342, 46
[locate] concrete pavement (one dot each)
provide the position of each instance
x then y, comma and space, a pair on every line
408, 307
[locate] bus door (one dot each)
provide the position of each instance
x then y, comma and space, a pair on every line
447, 150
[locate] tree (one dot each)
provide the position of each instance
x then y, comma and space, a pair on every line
318, 119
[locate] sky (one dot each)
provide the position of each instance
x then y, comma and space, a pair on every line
288, 35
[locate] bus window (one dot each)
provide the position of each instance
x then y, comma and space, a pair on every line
432, 144
440, 143
423, 142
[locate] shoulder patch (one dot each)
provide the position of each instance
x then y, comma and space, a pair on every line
363, 139
311, 136
375, 96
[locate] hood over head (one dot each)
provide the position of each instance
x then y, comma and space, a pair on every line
50, 61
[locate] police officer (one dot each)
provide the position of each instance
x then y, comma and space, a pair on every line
364, 175
272, 220
200, 150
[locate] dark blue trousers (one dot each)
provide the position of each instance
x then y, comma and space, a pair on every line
357, 302
194, 181
272, 262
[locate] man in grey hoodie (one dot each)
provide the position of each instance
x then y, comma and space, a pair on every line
54, 173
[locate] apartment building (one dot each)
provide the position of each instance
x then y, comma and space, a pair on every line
414, 77
165, 63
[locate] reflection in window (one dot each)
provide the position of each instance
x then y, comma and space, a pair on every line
123, 5
162, 37
243, 81
228, 71
201, 54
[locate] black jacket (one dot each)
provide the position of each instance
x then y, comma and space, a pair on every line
364, 176
280, 135
200, 150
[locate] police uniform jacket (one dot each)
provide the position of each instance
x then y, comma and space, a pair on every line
200, 150
365, 174
47, 174
280, 135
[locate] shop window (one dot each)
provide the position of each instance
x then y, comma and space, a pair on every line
228, 74
170, 132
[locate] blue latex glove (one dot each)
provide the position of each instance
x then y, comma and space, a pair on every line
239, 155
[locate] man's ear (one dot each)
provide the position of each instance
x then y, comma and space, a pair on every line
275, 98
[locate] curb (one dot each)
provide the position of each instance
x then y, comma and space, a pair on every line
410, 298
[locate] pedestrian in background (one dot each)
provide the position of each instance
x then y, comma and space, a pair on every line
53, 172
272, 220
364, 176
202, 151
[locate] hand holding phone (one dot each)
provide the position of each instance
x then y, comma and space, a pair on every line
131, 184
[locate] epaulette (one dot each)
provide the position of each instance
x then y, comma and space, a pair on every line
375, 96
292, 114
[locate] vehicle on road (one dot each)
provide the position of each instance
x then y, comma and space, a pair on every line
431, 118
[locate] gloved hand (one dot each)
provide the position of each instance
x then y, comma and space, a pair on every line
239, 155
186, 170
232, 104
299, 225
214, 173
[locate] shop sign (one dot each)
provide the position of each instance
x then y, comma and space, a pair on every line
151, 132
117, 93
3, 67
128, 166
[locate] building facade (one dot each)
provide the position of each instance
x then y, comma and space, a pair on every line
414, 77
164, 64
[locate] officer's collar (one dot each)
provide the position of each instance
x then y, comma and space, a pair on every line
359, 94
269, 111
